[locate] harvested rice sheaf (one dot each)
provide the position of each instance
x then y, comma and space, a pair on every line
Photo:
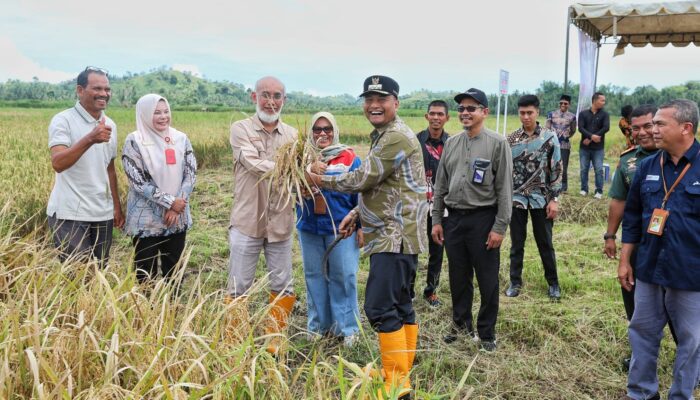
286, 181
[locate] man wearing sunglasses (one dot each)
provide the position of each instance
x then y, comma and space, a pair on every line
84, 203
563, 123
475, 184
259, 220
393, 210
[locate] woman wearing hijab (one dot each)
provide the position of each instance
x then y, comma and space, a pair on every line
332, 299
161, 169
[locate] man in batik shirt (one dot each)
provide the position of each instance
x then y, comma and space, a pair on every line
393, 210
563, 123
537, 169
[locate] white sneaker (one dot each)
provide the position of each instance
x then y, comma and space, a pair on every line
598, 196
583, 193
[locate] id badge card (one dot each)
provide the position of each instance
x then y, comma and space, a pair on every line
478, 175
170, 156
480, 167
657, 222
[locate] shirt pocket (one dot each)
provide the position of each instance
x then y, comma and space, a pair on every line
693, 195
652, 196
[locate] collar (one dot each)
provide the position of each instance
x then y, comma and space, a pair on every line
640, 150
388, 125
443, 136
259, 125
476, 137
690, 155
86, 115
522, 134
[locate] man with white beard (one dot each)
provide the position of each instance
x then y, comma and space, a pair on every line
259, 221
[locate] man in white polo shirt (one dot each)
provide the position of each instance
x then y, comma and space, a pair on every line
84, 203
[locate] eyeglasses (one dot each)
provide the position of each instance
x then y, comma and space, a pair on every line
326, 129
272, 96
96, 69
563, 103
470, 109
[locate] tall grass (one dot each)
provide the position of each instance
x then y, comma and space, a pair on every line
72, 330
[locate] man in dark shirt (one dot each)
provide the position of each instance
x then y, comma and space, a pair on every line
432, 141
593, 124
662, 221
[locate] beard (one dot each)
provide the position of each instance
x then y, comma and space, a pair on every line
265, 117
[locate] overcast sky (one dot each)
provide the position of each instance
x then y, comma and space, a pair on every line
320, 46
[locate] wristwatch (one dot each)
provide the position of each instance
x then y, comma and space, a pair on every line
607, 236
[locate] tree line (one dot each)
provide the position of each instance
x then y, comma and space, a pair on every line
187, 91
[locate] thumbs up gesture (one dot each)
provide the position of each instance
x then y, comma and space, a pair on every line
101, 133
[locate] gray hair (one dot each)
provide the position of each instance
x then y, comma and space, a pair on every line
686, 112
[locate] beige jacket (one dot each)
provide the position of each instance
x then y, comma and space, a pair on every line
257, 212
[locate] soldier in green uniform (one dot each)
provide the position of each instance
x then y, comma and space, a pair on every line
641, 125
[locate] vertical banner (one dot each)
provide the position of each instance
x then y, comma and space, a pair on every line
588, 50
503, 91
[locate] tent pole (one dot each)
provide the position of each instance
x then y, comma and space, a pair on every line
595, 77
566, 54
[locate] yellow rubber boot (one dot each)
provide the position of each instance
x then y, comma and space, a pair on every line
393, 349
411, 342
279, 313
238, 319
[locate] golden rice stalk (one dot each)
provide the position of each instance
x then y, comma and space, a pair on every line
286, 182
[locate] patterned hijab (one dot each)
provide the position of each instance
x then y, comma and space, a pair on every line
152, 145
335, 148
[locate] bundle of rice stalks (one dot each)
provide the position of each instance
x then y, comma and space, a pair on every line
286, 181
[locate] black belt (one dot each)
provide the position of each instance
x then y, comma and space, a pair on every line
457, 211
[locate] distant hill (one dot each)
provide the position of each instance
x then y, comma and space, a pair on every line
186, 91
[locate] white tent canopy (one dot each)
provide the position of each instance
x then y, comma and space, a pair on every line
638, 24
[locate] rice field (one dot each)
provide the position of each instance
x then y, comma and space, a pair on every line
69, 330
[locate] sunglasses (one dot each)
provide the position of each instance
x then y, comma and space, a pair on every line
470, 109
563, 103
96, 69
325, 129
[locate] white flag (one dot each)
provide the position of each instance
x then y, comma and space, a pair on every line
588, 50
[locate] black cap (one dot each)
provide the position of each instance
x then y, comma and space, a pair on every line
381, 85
476, 94
565, 97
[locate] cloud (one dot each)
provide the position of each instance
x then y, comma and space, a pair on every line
16, 65
191, 68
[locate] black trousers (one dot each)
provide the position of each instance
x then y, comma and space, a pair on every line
466, 234
388, 304
435, 252
150, 250
565, 163
542, 228
628, 299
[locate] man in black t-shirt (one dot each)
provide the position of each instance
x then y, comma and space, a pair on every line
432, 141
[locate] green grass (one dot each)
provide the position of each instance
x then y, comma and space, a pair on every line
70, 331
